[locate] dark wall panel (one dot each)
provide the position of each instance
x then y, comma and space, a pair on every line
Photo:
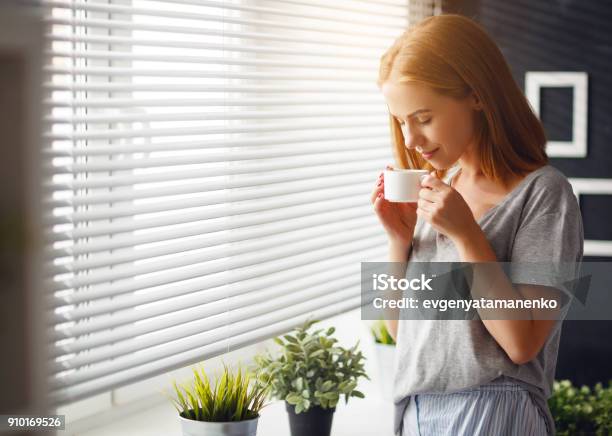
566, 35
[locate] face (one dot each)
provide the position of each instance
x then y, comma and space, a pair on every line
432, 122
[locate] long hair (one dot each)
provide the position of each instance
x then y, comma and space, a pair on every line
455, 56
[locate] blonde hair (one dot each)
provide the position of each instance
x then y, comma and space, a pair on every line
454, 56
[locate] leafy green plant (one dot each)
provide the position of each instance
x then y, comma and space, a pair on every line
381, 333
234, 397
312, 371
581, 412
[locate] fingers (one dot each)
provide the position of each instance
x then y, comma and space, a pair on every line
378, 190
422, 214
428, 194
378, 203
407, 208
432, 182
425, 206
377, 196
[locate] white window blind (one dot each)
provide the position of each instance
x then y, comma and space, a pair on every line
209, 165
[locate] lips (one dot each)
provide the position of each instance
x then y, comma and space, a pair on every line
428, 154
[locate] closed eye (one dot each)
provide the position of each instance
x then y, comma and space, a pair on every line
422, 123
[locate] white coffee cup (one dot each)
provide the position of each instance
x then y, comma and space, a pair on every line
403, 186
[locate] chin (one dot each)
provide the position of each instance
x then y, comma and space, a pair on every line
441, 164
438, 165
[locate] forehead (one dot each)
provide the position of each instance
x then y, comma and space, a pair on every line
405, 98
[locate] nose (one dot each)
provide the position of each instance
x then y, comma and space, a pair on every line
412, 136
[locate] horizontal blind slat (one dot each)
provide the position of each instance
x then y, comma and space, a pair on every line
240, 337
199, 102
250, 271
245, 248
187, 131
98, 288
127, 321
392, 7
118, 72
195, 227
195, 116
278, 191
272, 174
325, 141
364, 88
328, 199
183, 184
308, 212
129, 193
232, 317
215, 171
127, 10
214, 60
256, 49
202, 17
94, 259
208, 178
120, 25
242, 305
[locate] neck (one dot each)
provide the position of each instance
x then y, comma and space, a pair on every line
470, 166
469, 174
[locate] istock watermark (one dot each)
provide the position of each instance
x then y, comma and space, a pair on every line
383, 282
487, 290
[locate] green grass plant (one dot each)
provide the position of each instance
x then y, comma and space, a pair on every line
234, 396
381, 333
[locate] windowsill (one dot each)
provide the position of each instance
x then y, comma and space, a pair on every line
367, 416
154, 414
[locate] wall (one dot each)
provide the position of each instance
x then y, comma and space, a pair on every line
566, 35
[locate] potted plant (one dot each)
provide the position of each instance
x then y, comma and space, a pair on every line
384, 350
310, 375
231, 407
581, 411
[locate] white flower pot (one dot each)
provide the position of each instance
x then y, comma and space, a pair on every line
204, 428
385, 355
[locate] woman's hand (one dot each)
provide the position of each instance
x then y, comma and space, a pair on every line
398, 219
445, 209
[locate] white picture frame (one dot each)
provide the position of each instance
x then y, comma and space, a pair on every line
535, 80
593, 247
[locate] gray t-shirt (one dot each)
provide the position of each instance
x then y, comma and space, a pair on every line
538, 220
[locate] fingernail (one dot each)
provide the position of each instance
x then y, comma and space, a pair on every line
423, 177
379, 183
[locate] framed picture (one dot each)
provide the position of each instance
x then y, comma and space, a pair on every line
535, 80
593, 187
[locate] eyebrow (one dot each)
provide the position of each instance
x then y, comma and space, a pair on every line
415, 113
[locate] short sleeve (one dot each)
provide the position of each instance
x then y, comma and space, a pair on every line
548, 246
555, 237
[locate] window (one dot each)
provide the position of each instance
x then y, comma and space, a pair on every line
210, 164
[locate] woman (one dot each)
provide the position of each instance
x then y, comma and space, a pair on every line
491, 196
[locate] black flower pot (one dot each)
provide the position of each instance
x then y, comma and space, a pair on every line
316, 421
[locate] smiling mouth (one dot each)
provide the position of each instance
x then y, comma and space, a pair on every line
429, 153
